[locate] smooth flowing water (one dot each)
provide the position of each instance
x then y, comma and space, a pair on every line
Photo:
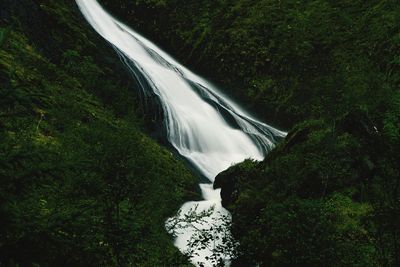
204, 126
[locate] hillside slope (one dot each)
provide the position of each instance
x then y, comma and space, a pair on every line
329, 72
80, 182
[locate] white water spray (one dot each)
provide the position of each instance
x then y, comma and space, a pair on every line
202, 124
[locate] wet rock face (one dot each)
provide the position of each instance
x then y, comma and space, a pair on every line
231, 179
359, 124
226, 180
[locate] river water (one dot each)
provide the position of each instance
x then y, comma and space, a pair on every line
204, 126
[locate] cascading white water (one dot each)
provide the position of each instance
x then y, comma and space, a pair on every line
202, 124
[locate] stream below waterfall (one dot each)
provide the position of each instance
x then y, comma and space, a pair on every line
204, 126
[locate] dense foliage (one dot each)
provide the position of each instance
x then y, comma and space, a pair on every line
330, 194
326, 196
288, 60
80, 183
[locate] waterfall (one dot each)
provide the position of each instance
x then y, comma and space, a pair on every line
203, 125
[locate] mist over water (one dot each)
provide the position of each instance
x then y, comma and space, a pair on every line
203, 125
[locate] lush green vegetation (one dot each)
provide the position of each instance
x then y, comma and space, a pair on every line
328, 70
326, 196
288, 60
74, 185
80, 183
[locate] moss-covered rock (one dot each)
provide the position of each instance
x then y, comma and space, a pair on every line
316, 162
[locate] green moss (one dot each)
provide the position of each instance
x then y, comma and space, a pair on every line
80, 182
329, 67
